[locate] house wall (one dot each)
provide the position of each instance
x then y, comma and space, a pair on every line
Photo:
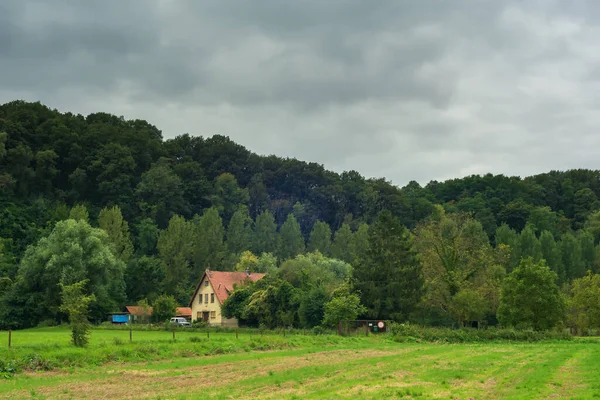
199, 307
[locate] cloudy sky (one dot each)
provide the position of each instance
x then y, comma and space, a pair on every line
409, 90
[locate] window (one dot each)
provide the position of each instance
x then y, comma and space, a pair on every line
213, 314
206, 298
212, 297
200, 298
199, 316
205, 283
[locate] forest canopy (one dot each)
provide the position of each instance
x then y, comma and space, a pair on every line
106, 199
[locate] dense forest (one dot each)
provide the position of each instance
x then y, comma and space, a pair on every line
107, 201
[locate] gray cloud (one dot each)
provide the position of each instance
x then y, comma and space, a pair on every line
406, 90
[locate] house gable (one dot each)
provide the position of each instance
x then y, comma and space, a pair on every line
222, 283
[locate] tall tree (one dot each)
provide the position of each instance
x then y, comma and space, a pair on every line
342, 247
551, 253
389, 276
160, 194
360, 243
320, 238
291, 242
584, 203
570, 249
208, 246
73, 252
265, 233
112, 222
508, 237
175, 250
146, 236
529, 245
239, 231
588, 251
543, 219
228, 195
530, 297
76, 305
144, 278
584, 305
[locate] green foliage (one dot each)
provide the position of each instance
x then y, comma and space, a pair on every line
551, 253
228, 195
79, 213
239, 231
409, 333
160, 194
389, 276
343, 246
73, 252
175, 251
584, 305
75, 304
164, 308
265, 234
531, 298
458, 264
146, 234
208, 246
529, 245
144, 278
312, 307
112, 222
320, 238
343, 306
291, 242
247, 262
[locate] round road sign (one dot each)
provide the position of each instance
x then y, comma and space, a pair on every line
380, 324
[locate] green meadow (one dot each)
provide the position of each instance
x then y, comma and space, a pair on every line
296, 366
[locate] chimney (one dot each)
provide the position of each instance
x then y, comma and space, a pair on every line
247, 272
208, 271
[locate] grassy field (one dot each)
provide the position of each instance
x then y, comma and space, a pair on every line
297, 367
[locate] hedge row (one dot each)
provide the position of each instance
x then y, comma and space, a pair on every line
415, 333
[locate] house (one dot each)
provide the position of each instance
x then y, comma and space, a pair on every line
137, 314
212, 291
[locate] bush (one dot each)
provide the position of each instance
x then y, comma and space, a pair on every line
318, 330
414, 333
47, 323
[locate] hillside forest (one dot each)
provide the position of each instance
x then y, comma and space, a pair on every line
108, 204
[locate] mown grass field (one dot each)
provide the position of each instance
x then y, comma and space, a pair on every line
297, 367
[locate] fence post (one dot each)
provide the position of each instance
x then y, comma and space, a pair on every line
130, 335
367, 329
208, 333
304, 331
173, 334
9, 337
236, 333
340, 328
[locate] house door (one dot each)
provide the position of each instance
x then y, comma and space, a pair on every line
205, 315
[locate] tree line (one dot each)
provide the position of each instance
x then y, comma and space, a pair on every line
107, 201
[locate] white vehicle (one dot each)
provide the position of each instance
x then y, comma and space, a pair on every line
180, 321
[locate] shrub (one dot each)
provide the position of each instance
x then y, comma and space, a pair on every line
47, 323
412, 333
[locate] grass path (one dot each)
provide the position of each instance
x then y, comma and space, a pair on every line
352, 370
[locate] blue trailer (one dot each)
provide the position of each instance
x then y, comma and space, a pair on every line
120, 318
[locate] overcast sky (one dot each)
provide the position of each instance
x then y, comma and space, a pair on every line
407, 90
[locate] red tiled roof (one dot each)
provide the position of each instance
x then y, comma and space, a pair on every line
222, 282
183, 312
137, 310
